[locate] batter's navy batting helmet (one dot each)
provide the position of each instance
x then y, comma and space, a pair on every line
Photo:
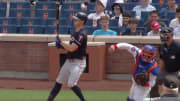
148, 53
80, 16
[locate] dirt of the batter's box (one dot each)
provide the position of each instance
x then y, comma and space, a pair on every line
104, 85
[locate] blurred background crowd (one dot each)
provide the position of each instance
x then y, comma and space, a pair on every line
105, 17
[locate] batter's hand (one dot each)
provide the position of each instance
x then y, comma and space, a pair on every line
111, 49
58, 41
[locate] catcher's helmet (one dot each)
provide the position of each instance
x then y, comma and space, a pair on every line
148, 53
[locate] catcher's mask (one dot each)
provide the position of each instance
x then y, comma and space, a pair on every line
165, 34
148, 53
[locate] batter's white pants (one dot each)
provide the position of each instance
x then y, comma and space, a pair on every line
71, 71
138, 93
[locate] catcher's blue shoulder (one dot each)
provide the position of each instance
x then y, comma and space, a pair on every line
155, 71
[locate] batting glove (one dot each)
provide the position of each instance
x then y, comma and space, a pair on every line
58, 41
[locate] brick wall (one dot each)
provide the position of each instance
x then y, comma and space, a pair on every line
24, 56
29, 53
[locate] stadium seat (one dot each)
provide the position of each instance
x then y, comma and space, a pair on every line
143, 29
3, 4
89, 30
50, 30
133, 13
19, 13
178, 1
65, 22
2, 12
91, 6
156, 5
171, 15
32, 29
30, 21
129, 6
166, 21
46, 13
8, 21
144, 16
8, 29
51, 21
141, 23
116, 29
19, 5
90, 11
155, 1
46, 5
72, 6
89, 22
64, 30
67, 13
113, 23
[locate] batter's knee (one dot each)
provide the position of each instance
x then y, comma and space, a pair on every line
128, 99
71, 84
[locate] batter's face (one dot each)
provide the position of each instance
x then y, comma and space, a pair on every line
78, 22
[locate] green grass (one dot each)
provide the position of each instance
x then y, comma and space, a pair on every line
41, 95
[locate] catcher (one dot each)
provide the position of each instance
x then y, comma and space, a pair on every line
145, 69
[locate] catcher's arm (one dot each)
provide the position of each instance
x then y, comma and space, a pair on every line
129, 47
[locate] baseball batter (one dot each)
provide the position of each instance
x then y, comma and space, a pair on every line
76, 58
145, 69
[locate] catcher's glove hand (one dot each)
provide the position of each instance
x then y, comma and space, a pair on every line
141, 78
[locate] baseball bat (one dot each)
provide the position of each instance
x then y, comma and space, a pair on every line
57, 15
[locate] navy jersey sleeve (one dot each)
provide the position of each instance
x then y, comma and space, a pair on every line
78, 39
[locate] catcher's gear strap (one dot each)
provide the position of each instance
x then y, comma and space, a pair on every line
148, 71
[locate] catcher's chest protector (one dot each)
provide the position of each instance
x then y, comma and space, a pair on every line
140, 66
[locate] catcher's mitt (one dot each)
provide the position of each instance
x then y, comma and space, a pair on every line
141, 78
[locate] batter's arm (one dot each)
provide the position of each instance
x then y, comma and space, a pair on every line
69, 47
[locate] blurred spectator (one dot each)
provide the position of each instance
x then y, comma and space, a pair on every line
145, 7
155, 26
170, 88
111, 2
100, 6
154, 16
172, 6
176, 21
177, 31
124, 27
162, 3
133, 23
118, 11
134, 1
104, 21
